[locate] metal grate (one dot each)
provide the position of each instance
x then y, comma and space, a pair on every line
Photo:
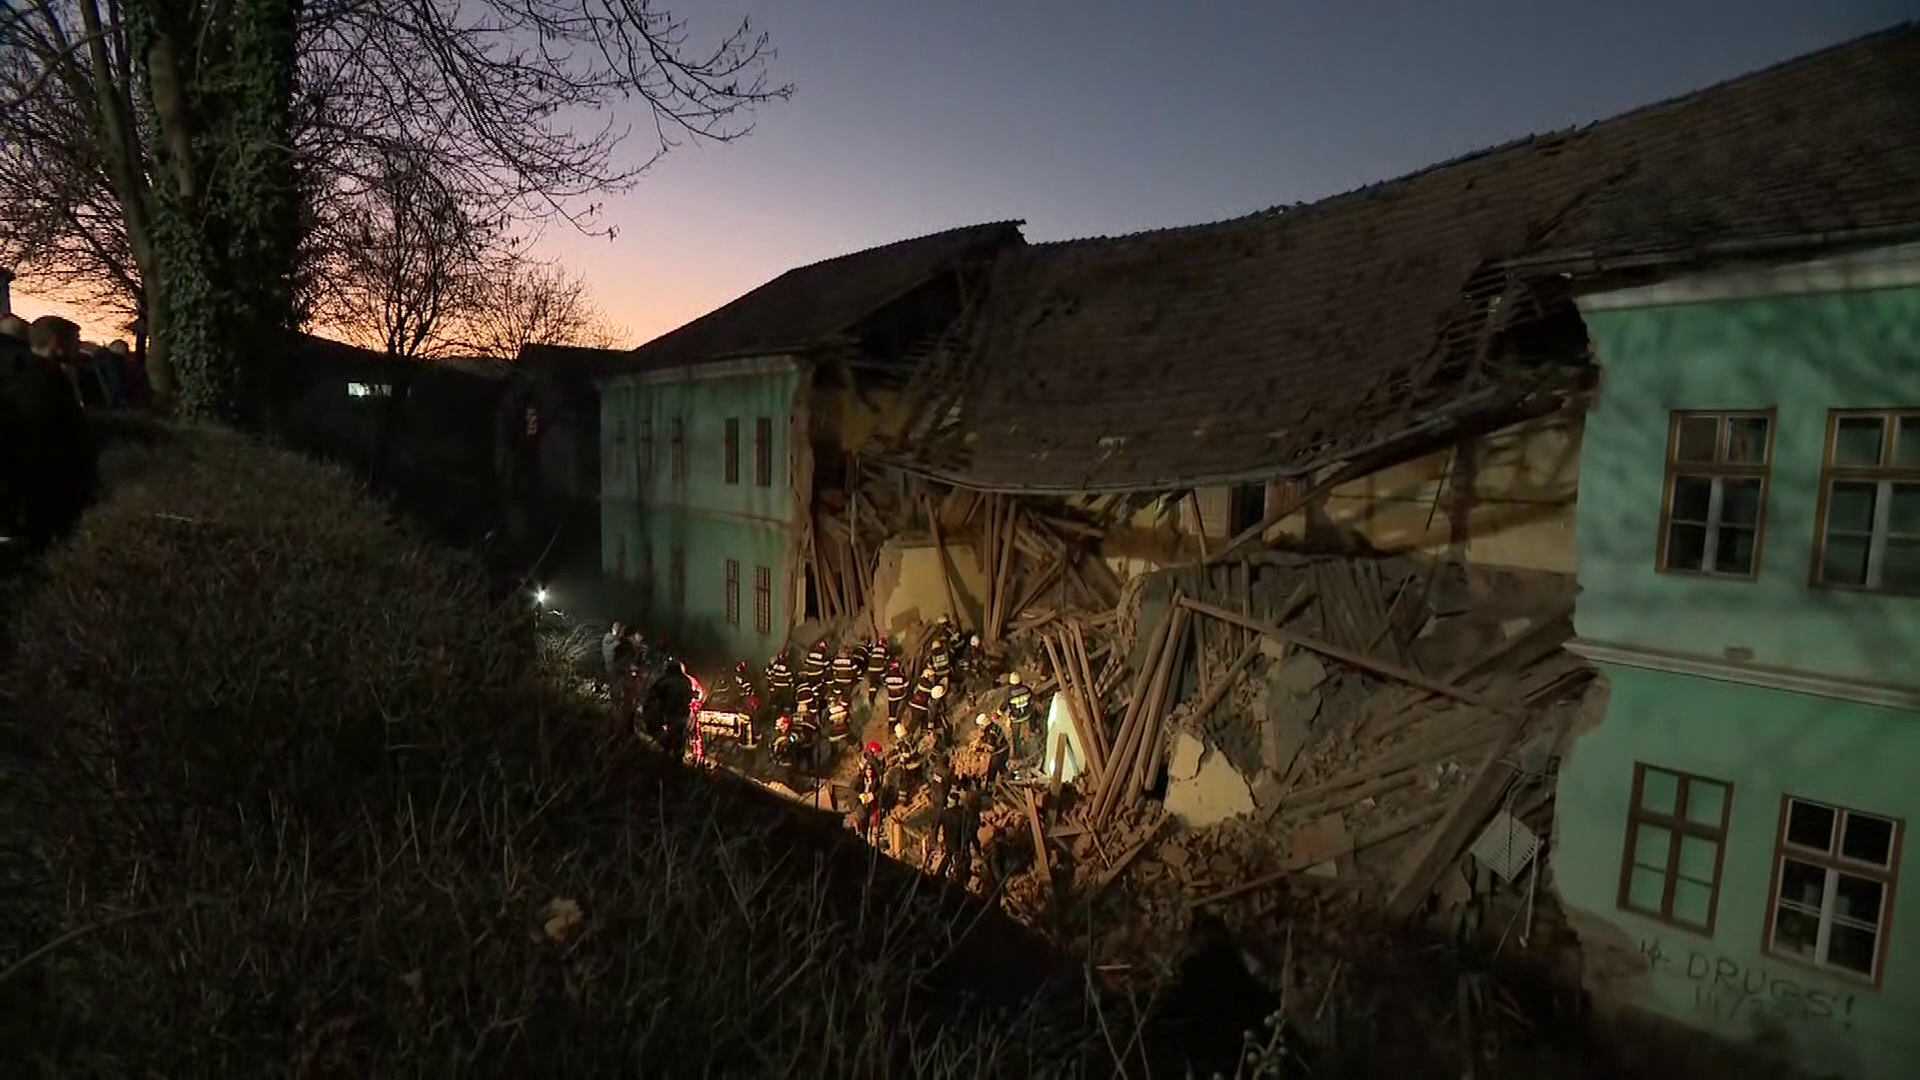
1506, 846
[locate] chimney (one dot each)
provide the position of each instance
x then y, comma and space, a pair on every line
6, 292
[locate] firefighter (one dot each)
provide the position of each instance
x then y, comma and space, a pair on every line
780, 677
940, 660
936, 717
877, 660
858, 649
993, 739
1020, 716
896, 684
839, 725
919, 708
846, 671
904, 766
813, 669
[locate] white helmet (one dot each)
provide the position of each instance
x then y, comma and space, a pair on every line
1013, 678
981, 720
976, 641
899, 731
939, 691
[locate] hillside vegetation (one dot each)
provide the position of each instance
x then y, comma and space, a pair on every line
285, 792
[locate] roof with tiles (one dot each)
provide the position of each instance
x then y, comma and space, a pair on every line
1271, 342
810, 305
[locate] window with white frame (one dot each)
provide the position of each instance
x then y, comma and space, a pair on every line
1717, 471
1833, 877
1869, 531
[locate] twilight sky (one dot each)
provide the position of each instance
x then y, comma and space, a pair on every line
1085, 118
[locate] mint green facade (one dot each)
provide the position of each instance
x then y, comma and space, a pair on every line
1764, 688
707, 552
1802, 355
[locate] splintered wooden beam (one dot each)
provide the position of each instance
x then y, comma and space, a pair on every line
940, 554
1372, 665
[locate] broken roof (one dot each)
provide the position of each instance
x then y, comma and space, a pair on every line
1276, 342
810, 305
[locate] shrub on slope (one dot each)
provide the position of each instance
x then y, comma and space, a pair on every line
299, 799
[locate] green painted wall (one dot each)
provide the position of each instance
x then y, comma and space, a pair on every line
1767, 744
1801, 354
646, 512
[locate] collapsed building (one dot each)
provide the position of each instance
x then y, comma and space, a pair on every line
1277, 515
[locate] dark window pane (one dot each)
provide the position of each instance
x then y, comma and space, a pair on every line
1857, 899
1857, 439
1906, 448
1802, 884
1868, 839
1903, 510
1810, 825
1850, 506
1747, 440
1844, 561
1740, 502
1795, 932
1687, 547
1699, 439
1692, 496
1900, 566
1733, 554
1852, 949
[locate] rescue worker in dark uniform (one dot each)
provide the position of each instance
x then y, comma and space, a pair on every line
940, 660
780, 678
915, 719
858, 649
876, 665
993, 739
839, 722
936, 717
1020, 716
905, 764
813, 669
846, 672
896, 685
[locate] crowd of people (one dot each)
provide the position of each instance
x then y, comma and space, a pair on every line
810, 712
48, 457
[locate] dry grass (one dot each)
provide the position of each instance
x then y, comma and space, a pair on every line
298, 798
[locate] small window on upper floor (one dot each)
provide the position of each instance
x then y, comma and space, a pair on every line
1868, 536
1716, 498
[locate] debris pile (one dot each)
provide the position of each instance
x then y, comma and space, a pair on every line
1374, 732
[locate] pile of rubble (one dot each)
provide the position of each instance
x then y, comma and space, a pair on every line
1377, 731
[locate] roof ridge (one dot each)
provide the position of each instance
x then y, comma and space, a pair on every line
923, 237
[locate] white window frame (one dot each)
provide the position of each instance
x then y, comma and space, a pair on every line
1884, 477
1717, 471
1834, 865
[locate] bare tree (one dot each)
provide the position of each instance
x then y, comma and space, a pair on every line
201, 129
413, 264
531, 303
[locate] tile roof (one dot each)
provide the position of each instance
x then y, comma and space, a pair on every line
1268, 343
809, 305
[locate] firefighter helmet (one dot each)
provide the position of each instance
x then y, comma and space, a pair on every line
873, 749
785, 723
939, 691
